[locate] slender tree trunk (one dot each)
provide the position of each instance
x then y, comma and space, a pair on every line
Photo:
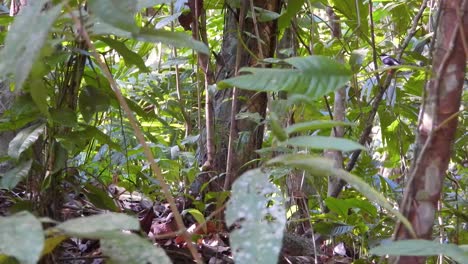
339, 111
248, 134
438, 123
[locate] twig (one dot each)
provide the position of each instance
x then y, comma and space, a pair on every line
139, 135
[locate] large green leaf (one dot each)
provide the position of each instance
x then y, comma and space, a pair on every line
314, 125
98, 226
318, 166
321, 142
258, 216
419, 247
26, 38
12, 177
118, 13
24, 139
130, 57
132, 249
21, 236
313, 76
176, 39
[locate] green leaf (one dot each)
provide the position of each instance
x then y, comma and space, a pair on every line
130, 57
39, 94
357, 15
257, 213
31, 26
64, 117
342, 206
92, 100
51, 243
314, 76
102, 137
12, 177
318, 166
22, 112
419, 247
100, 198
291, 10
24, 139
150, 3
118, 13
21, 236
199, 217
266, 15
338, 206
176, 39
276, 128
321, 142
98, 226
314, 125
132, 249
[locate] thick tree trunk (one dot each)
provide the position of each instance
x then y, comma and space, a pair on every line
249, 134
438, 123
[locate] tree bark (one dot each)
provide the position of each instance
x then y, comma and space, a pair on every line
438, 123
249, 133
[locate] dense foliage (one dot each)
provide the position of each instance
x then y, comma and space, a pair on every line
103, 116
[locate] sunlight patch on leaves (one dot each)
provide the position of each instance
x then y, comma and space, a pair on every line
21, 236
257, 213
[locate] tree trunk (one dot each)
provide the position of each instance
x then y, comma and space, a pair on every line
438, 123
249, 134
